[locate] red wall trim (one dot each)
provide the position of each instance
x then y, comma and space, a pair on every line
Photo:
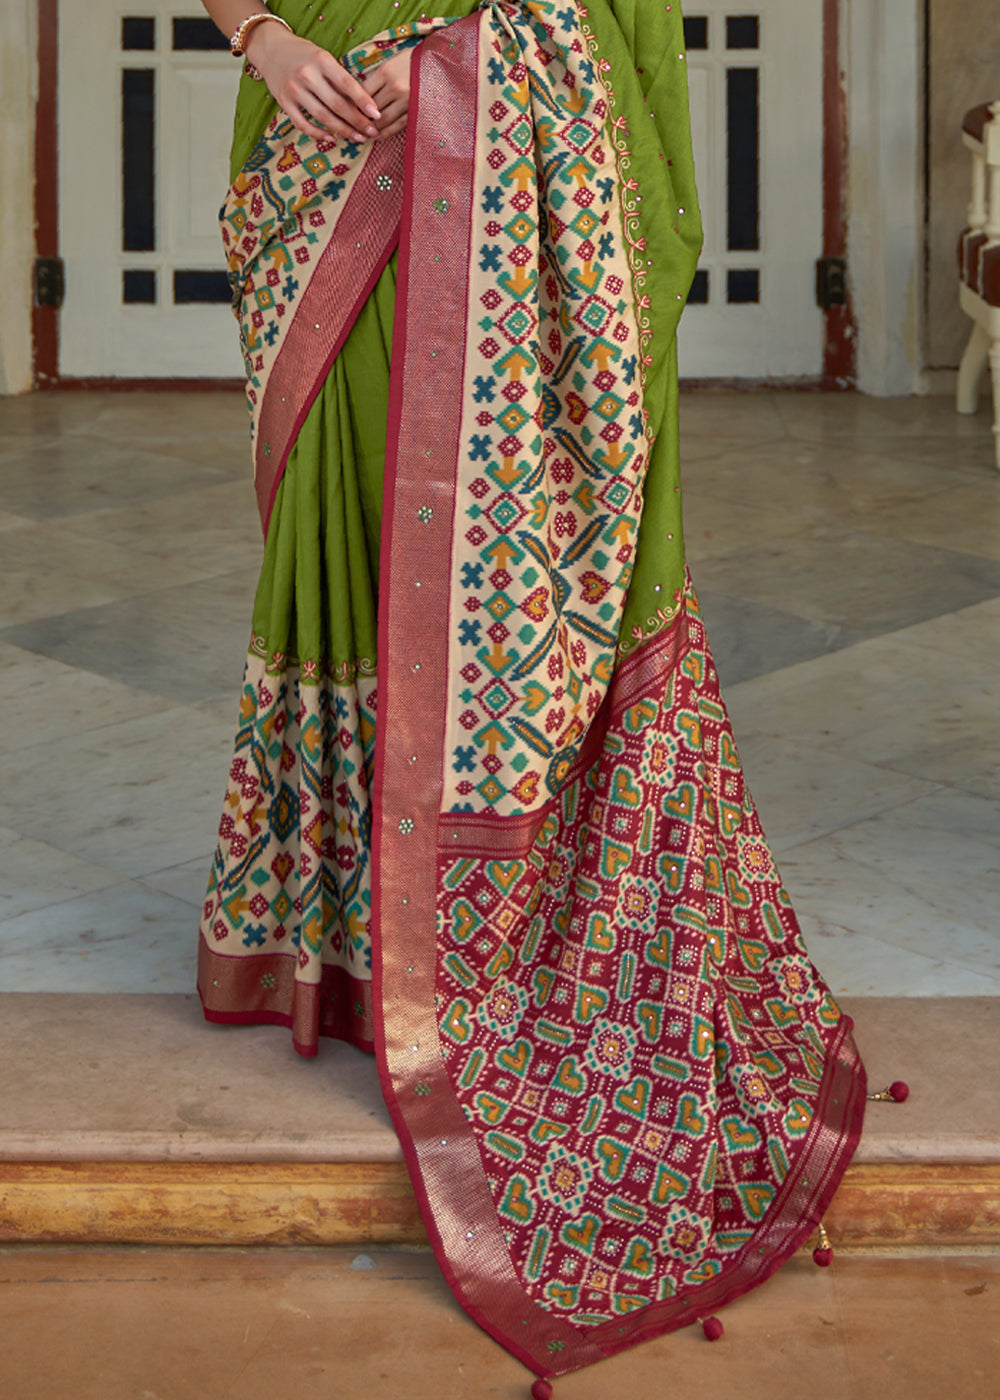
45, 319
106, 383
840, 340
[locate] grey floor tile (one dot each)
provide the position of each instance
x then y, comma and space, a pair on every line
67, 476
863, 584
186, 644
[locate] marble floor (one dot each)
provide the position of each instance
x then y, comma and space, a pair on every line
847, 551
136, 1324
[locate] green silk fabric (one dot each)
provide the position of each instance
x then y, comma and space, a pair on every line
316, 598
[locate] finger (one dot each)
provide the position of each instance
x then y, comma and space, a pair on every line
306, 121
392, 111
325, 100
334, 113
338, 77
398, 125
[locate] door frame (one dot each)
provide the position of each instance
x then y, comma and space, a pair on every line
882, 235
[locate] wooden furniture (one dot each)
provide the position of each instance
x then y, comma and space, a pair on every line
979, 263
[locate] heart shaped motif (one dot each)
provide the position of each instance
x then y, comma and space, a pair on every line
670, 1184
729, 817
542, 983
705, 1271
728, 754
692, 666
582, 1234
702, 1038
756, 1198
594, 587
545, 1130
589, 1002
500, 961
627, 1303
754, 954
600, 934
688, 725
516, 1057
614, 858
613, 1157
492, 1109
689, 1120
464, 921
518, 1201
505, 873
798, 1117
681, 803
456, 1023
650, 1019
634, 1097
737, 893
640, 716
658, 948
781, 1013
570, 1077
562, 1295
639, 1259
623, 791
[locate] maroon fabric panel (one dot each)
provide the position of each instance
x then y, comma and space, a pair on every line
976, 119
989, 281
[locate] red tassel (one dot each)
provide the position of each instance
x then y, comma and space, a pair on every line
900, 1091
823, 1253
712, 1328
541, 1390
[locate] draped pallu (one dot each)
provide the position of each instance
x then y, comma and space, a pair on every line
516, 854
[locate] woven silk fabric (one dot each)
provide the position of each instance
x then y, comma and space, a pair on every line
515, 852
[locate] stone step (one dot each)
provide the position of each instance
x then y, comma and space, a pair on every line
129, 1119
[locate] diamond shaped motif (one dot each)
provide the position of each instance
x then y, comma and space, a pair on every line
513, 418
497, 698
521, 227
578, 135
585, 223
594, 314
506, 512
517, 323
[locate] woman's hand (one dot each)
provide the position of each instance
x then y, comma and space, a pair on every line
314, 91
389, 85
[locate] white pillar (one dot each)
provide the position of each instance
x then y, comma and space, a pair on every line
883, 55
18, 90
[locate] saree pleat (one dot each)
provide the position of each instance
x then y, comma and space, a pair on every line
486, 814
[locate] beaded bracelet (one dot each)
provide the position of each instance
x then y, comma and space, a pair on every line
238, 40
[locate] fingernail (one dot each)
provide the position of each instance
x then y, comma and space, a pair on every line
373, 111
359, 136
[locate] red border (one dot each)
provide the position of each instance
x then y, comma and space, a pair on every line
353, 260
840, 341
45, 319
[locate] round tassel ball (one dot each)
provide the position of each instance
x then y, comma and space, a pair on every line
712, 1328
541, 1390
900, 1091
823, 1257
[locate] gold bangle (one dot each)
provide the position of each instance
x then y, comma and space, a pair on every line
238, 40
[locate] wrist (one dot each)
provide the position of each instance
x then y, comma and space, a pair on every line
263, 40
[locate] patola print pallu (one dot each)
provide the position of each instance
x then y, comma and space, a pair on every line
494, 824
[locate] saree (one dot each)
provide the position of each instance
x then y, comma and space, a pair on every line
486, 815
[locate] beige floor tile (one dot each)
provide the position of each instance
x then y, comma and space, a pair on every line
241, 1325
89, 573
52, 700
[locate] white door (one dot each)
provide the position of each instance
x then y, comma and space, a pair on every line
145, 121
757, 118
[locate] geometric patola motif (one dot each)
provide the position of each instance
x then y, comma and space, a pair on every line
642, 1068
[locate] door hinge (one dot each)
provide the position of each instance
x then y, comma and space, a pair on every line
50, 282
831, 282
